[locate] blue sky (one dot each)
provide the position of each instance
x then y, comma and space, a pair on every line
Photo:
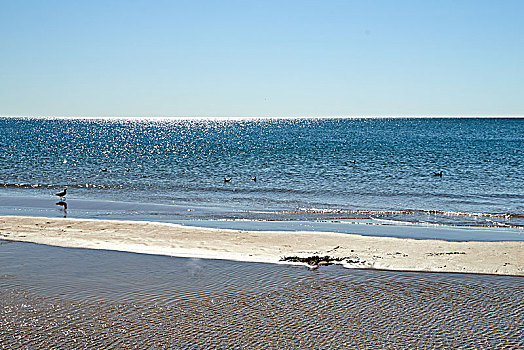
262, 58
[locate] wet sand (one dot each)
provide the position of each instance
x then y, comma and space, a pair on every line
355, 251
53, 297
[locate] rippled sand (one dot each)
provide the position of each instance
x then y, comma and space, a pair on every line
70, 298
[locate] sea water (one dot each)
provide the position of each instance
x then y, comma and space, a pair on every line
343, 175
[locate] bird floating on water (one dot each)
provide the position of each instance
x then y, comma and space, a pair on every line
226, 179
254, 178
437, 173
61, 194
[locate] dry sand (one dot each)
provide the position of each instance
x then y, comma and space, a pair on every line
505, 258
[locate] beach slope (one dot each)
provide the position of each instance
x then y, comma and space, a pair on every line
504, 258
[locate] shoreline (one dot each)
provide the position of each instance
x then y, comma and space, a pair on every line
355, 251
307, 220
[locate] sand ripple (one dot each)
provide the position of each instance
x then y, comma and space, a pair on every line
162, 302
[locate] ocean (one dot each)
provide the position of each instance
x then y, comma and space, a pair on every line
367, 176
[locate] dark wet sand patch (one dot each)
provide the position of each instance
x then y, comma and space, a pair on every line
76, 298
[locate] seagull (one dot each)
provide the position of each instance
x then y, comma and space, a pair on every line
437, 173
227, 179
61, 193
254, 178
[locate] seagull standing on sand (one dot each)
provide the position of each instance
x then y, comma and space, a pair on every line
61, 193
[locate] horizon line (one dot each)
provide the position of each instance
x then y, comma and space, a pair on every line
52, 117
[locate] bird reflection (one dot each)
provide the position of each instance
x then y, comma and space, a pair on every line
63, 204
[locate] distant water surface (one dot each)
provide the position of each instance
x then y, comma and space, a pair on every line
320, 170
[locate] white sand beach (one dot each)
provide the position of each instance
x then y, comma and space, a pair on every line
504, 258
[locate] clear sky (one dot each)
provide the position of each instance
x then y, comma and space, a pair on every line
261, 58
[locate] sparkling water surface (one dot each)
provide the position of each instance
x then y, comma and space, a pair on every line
308, 170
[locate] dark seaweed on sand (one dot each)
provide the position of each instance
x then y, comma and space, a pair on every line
314, 260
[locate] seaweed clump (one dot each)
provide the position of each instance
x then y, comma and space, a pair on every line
314, 260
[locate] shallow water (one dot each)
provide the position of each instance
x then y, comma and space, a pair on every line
200, 218
77, 298
312, 169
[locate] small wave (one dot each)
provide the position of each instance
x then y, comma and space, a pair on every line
88, 185
458, 213
22, 185
347, 211
403, 212
55, 186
